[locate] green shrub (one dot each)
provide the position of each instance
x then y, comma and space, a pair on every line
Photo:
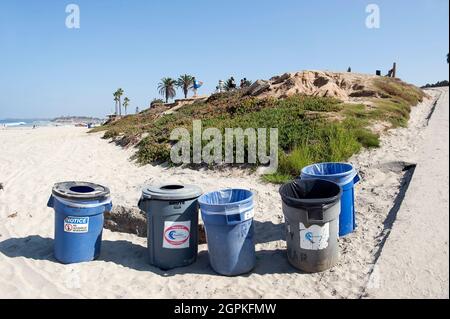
277, 178
396, 88
152, 151
110, 134
367, 138
311, 129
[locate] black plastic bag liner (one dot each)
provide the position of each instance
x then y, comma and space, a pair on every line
310, 193
311, 210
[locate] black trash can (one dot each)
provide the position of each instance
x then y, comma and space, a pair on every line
311, 209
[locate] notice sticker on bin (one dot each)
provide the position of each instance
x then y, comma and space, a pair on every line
76, 224
176, 235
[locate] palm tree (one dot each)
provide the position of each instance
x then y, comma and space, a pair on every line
119, 93
116, 99
230, 85
126, 102
246, 83
167, 88
185, 83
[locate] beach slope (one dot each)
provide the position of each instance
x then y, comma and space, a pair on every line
31, 161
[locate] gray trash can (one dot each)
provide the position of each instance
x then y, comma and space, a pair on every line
172, 224
311, 209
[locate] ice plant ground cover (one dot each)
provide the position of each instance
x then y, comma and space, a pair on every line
310, 128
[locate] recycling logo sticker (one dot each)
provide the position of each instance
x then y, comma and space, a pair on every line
314, 237
176, 235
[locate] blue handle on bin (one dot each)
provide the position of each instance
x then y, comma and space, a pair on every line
50, 202
108, 207
239, 217
234, 219
356, 179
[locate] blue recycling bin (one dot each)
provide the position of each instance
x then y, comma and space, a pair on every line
346, 176
79, 209
228, 218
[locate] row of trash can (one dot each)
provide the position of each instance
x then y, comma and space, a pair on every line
318, 207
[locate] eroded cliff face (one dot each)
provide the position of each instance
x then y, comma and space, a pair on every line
343, 86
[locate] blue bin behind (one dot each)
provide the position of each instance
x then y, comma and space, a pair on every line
346, 176
78, 220
228, 218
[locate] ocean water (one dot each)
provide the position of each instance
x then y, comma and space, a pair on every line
25, 122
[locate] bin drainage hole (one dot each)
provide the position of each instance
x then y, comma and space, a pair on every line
172, 187
82, 189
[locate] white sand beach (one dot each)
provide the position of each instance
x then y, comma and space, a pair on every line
31, 161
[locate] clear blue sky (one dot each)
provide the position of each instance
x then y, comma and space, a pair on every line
49, 70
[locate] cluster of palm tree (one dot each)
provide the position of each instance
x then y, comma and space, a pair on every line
167, 87
118, 99
230, 84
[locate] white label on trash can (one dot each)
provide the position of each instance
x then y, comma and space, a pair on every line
76, 224
314, 237
176, 235
249, 214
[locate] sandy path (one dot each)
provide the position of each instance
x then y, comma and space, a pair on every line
32, 160
414, 262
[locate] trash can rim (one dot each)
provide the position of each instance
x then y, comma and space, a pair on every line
171, 191
80, 191
349, 165
313, 201
203, 203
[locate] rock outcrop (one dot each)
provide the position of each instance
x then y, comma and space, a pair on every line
343, 86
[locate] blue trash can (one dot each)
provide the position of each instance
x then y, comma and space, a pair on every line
228, 218
79, 208
346, 176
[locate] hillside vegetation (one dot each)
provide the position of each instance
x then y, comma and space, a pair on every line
311, 128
